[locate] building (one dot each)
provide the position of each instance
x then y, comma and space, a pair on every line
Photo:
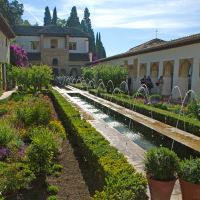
177, 61
6, 34
65, 49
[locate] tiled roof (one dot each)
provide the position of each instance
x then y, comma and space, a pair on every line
48, 30
150, 43
34, 56
152, 46
5, 27
78, 57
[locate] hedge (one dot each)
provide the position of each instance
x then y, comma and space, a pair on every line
117, 178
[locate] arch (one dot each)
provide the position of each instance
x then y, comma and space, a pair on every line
168, 69
55, 62
143, 70
154, 70
185, 69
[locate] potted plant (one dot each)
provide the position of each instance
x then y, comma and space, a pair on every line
189, 177
161, 166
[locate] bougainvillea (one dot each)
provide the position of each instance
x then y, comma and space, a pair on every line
18, 56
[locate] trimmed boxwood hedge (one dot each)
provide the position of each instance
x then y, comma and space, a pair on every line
118, 179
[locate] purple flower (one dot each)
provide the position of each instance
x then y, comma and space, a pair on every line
22, 150
18, 56
3, 153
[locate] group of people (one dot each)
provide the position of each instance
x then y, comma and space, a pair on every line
148, 82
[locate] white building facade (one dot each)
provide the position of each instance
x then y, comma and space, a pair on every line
64, 49
176, 61
6, 34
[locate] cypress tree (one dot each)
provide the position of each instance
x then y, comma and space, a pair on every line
97, 45
54, 19
87, 27
47, 17
100, 50
73, 20
83, 26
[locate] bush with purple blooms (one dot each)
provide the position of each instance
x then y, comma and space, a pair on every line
18, 56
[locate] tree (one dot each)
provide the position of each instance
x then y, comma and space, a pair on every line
61, 22
87, 27
100, 50
73, 20
97, 45
26, 23
12, 11
18, 56
55, 18
47, 17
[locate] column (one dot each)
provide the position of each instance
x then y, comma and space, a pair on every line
195, 75
148, 69
176, 77
67, 56
160, 69
42, 47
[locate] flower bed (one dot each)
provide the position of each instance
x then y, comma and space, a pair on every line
30, 141
117, 178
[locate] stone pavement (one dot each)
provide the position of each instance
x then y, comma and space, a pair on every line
7, 94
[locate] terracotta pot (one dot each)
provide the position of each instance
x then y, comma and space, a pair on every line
160, 190
190, 191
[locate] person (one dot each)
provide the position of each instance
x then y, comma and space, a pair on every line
129, 84
149, 84
143, 80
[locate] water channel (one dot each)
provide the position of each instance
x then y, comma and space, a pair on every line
144, 137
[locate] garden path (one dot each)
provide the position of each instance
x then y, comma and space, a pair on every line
7, 94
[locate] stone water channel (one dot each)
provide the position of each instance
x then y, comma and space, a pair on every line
130, 141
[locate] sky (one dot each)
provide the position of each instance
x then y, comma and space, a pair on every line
126, 23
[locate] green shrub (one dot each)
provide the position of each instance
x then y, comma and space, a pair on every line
161, 164
34, 112
7, 133
14, 176
193, 109
57, 128
105, 72
160, 105
32, 78
52, 197
155, 97
118, 177
190, 170
57, 168
42, 151
3, 111
52, 189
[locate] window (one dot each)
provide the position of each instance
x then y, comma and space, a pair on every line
54, 43
35, 45
6, 42
55, 62
72, 46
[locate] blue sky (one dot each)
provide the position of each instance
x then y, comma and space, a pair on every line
126, 23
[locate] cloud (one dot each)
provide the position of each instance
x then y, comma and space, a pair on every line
141, 14
33, 14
